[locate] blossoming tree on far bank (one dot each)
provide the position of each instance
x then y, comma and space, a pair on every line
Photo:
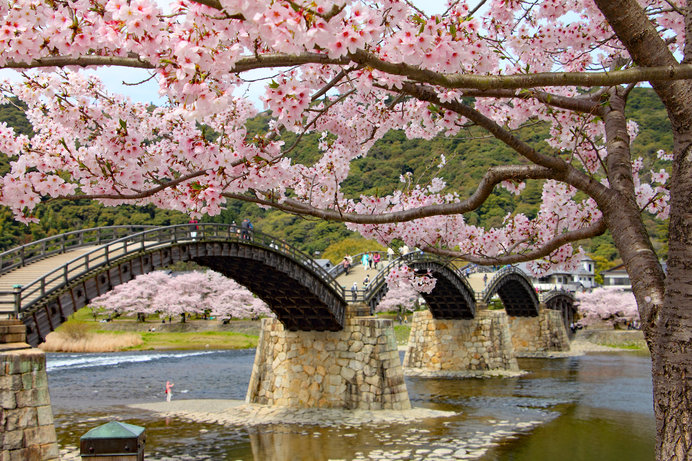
188, 293
609, 305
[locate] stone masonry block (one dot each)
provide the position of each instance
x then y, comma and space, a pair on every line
44, 415
8, 401
49, 451
20, 455
13, 440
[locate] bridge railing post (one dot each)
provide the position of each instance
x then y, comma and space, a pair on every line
17, 299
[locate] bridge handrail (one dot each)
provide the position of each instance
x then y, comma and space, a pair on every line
153, 238
413, 256
56, 244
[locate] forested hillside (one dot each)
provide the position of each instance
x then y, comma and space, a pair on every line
468, 155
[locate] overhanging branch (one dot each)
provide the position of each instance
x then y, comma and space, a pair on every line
595, 229
492, 177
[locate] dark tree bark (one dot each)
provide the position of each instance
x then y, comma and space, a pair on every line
668, 324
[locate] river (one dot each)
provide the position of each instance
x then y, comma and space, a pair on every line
596, 406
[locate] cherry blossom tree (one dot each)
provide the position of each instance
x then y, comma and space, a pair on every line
189, 293
352, 71
608, 305
398, 298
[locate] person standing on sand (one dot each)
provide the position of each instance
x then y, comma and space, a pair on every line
169, 385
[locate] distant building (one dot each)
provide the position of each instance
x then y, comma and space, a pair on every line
325, 263
617, 277
581, 279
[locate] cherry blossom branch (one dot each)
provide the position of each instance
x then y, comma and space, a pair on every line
457, 81
492, 177
140, 195
80, 61
425, 93
595, 229
587, 105
517, 81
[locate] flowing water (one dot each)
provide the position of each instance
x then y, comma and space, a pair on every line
594, 407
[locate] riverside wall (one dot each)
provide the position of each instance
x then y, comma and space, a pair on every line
443, 346
533, 336
26, 417
356, 368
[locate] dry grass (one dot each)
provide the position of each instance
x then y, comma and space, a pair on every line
87, 341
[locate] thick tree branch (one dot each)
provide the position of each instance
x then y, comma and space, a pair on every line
492, 177
563, 171
426, 93
242, 65
670, 72
584, 104
593, 230
80, 61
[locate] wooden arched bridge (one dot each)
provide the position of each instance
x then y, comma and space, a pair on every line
44, 282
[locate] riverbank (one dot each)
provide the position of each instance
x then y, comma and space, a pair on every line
78, 335
83, 333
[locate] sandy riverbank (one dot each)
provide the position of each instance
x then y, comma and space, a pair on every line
237, 412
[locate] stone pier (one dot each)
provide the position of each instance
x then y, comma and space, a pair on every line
443, 347
356, 368
536, 336
26, 417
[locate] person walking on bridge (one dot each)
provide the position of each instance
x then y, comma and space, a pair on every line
346, 264
364, 260
354, 291
376, 260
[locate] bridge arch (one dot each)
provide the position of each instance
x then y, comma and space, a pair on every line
296, 288
452, 297
515, 290
563, 301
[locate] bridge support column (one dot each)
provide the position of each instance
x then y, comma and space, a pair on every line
26, 417
444, 347
356, 368
539, 335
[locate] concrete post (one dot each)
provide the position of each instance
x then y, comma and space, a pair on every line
26, 417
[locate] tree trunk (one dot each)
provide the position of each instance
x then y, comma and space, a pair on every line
669, 333
671, 351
